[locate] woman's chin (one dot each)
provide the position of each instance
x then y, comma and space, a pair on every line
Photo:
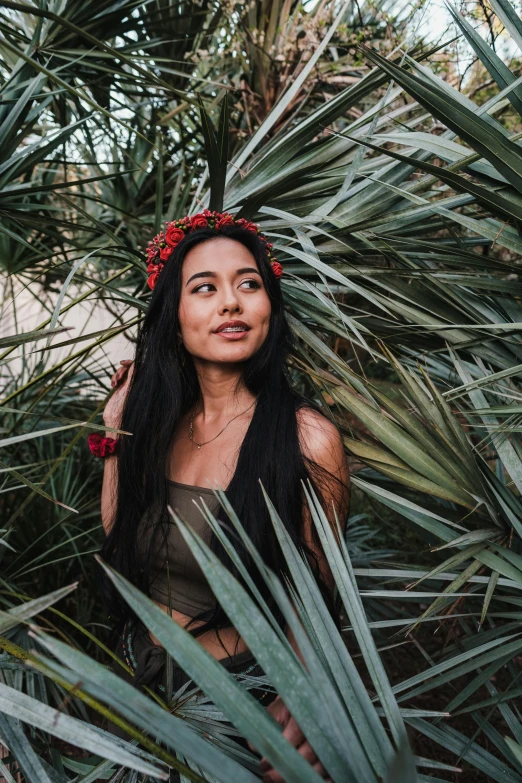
228, 351
233, 354
240, 354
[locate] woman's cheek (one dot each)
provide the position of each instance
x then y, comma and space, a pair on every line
193, 317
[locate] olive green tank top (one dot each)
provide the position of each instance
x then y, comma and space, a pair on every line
171, 559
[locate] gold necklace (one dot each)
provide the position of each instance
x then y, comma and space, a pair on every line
191, 427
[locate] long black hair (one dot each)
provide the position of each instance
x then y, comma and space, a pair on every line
164, 387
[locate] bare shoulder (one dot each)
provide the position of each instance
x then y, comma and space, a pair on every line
320, 440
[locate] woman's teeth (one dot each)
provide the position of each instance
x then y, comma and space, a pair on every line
234, 329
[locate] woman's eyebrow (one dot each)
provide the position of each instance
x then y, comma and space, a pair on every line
244, 271
200, 274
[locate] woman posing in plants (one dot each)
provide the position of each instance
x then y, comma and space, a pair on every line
209, 403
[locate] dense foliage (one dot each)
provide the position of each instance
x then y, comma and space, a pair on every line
391, 190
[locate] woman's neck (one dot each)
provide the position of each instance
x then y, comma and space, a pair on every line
222, 393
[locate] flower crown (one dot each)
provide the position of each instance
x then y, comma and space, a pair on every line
160, 248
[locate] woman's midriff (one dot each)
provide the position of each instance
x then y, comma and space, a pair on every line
228, 637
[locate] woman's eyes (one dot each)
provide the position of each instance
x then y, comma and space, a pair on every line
251, 285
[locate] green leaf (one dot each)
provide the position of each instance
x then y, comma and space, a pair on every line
27, 337
35, 487
22, 613
285, 671
485, 139
466, 662
507, 15
141, 711
401, 444
451, 563
420, 432
457, 743
332, 647
402, 769
239, 707
339, 560
216, 152
370, 452
288, 96
7, 775
428, 520
491, 61
506, 451
21, 706
493, 200
444, 148
474, 537
482, 677
15, 740
515, 748
38, 434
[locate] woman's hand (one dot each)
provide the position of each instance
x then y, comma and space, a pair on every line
119, 381
295, 737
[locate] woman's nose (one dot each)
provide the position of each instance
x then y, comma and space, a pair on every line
230, 303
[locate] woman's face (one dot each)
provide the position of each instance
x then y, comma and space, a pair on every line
224, 309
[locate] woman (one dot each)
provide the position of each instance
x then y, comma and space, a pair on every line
208, 400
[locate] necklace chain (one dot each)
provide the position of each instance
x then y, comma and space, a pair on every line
204, 443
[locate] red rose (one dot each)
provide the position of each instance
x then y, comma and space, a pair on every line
198, 221
173, 235
151, 267
100, 446
277, 269
224, 220
165, 253
151, 257
247, 225
207, 213
94, 441
153, 278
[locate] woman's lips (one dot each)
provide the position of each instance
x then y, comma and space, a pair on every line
233, 335
235, 329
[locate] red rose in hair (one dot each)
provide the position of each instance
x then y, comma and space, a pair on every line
277, 269
207, 213
173, 235
241, 222
151, 267
224, 220
153, 277
165, 253
250, 227
198, 221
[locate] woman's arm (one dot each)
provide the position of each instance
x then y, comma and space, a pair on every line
321, 443
112, 418
109, 491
